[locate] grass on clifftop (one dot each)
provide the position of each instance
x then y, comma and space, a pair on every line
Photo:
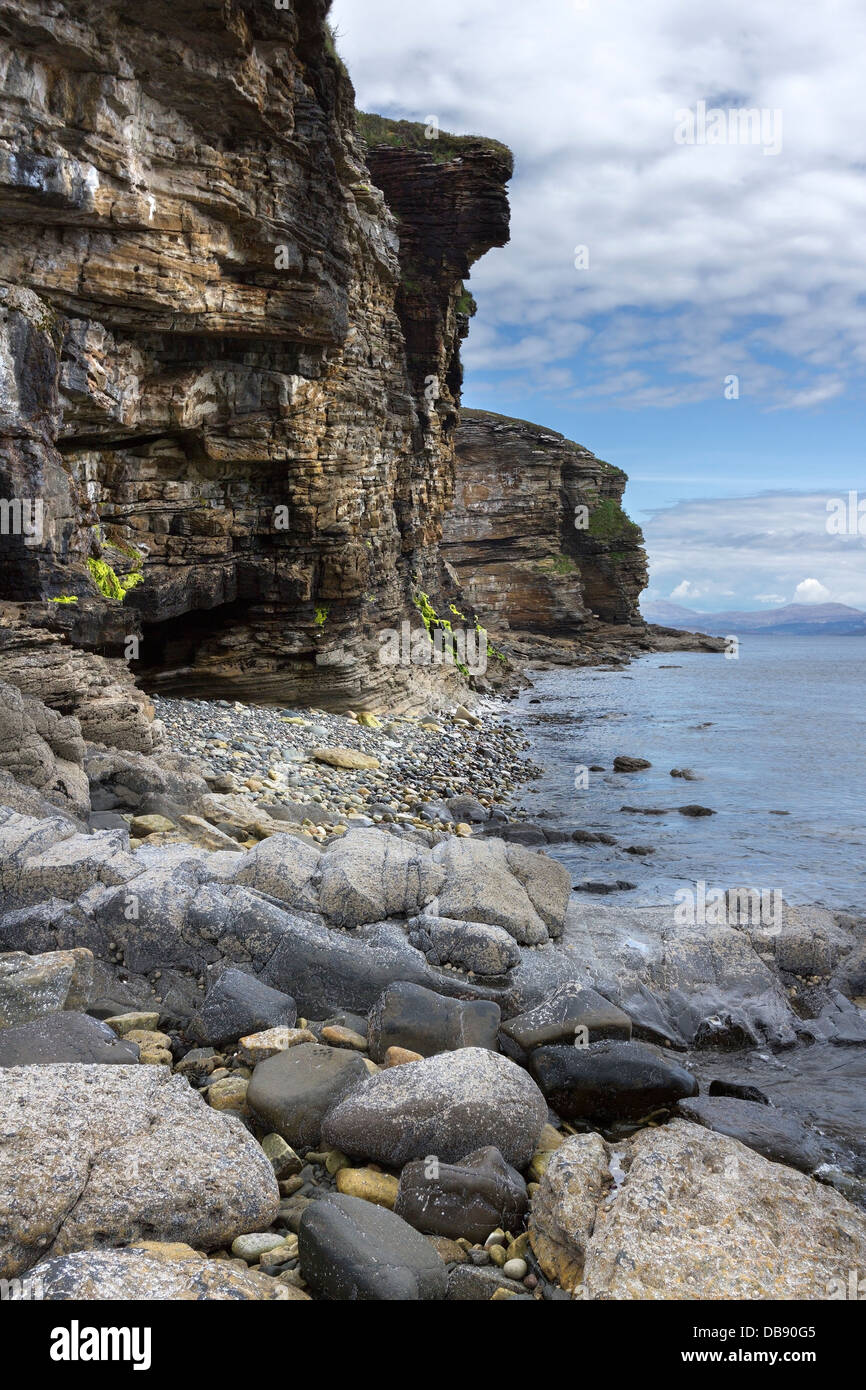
609, 522
411, 135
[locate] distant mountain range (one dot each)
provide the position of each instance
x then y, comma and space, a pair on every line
795, 619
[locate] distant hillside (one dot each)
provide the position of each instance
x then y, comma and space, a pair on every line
795, 619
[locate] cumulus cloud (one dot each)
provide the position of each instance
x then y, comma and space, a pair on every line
705, 260
811, 591
754, 550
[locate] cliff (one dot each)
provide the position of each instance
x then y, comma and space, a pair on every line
538, 537
230, 364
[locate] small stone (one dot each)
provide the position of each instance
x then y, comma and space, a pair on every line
463, 829
497, 1255
400, 1056
255, 1047
142, 826
338, 1036
252, 1246
368, 1184
501, 1294
334, 1161
124, 1023
496, 1237
284, 1161
515, 1269
229, 1093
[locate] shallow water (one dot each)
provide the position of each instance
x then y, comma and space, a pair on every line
780, 729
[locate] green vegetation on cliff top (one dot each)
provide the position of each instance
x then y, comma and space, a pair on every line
411, 135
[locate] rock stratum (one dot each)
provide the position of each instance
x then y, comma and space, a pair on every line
230, 371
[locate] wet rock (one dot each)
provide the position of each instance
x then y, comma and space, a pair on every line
409, 1016
237, 1004
623, 763
448, 1106
64, 1037
569, 1011
609, 1081
470, 1198
695, 810
351, 1250
292, 1091
779, 1137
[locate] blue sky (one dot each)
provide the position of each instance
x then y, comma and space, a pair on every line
713, 247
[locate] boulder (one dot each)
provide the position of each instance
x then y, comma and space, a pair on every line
368, 876
479, 885
102, 1156
559, 1019
292, 1091
153, 1271
609, 1081
408, 1016
470, 1198
32, 986
64, 1037
355, 1251
284, 867
779, 1137
700, 1216
473, 947
237, 1004
446, 1106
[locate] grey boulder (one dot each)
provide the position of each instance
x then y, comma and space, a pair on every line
445, 1106
292, 1091
353, 1251
609, 1081
237, 1004
64, 1037
408, 1015
470, 1198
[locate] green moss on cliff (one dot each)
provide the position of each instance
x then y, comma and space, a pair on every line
609, 522
109, 583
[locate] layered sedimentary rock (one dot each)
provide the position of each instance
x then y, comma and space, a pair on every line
228, 373
537, 535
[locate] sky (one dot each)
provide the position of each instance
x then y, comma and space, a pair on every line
684, 291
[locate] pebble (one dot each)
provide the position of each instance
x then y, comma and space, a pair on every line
411, 766
251, 1247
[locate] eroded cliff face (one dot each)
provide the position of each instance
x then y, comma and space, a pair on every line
228, 373
537, 534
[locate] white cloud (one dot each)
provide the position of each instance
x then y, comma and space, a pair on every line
811, 591
704, 260
754, 549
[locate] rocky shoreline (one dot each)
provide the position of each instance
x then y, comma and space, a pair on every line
326, 1034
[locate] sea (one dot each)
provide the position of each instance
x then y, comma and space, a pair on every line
776, 738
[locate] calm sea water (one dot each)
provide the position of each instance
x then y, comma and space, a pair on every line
781, 729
